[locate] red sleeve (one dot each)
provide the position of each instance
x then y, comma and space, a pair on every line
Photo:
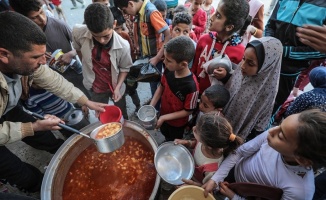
201, 22
191, 101
193, 36
192, 98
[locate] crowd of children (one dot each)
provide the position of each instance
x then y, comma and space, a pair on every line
214, 74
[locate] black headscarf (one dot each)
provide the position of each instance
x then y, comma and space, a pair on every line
260, 52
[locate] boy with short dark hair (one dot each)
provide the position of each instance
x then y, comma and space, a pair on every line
105, 56
181, 25
184, 19
178, 89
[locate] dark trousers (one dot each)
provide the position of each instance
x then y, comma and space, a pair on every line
285, 87
104, 98
12, 169
170, 132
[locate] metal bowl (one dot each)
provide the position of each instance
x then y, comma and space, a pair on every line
174, 162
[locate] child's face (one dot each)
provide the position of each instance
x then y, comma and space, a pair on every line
163, 13
205, 105
196, 5
180, 29
103, 37
170, 63
118, 29
249, 64
218, 19
130, 9
283, 138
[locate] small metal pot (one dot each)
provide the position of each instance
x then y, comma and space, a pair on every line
147, 116
108, 144
76, 119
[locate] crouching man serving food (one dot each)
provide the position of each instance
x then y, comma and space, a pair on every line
22, 62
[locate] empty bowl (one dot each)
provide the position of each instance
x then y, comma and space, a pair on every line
174, 162
112, 114
190, 192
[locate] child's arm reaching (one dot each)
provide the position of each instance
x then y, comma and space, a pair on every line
157, 95
171, 116
245, 150
187, 143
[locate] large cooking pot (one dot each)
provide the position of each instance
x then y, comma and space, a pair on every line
53, 181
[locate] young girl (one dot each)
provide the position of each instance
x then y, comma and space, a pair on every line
199, 17
214, 139
281, 157
252, 87
230, 17
209, 9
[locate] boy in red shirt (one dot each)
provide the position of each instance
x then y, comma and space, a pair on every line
178, 89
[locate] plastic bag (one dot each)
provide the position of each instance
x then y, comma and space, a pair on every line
149, 73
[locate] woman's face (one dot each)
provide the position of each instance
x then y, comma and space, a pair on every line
218, 19
249, 64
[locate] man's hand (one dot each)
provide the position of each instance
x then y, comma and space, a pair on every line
209, 186
225, 190
50, 122
99, 107
313, 36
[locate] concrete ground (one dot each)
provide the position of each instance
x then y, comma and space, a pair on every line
40, 159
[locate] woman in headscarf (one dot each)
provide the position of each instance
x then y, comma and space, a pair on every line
315, 98
253, 87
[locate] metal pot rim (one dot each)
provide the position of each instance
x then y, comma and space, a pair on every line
52, 169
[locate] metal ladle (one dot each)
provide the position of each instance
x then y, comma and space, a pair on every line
68, 128
103, 145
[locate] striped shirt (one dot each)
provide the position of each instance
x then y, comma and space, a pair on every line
44, 102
